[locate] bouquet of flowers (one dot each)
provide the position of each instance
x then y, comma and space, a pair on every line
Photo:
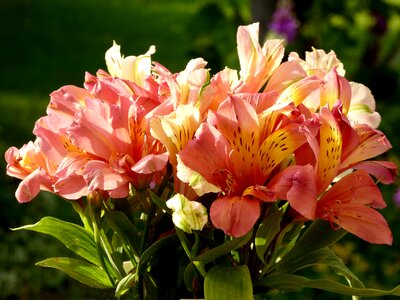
223, 187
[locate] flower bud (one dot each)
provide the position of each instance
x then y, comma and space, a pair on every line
187, 215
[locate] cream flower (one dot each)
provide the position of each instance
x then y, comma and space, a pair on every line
133, 68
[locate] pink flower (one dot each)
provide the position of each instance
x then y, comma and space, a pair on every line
233, 152
350, 204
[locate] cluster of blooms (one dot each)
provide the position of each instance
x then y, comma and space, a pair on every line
296, 131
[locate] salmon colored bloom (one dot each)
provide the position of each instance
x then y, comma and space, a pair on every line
350, 204
231, 152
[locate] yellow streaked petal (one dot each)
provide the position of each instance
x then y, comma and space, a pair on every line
278, 146
330, 150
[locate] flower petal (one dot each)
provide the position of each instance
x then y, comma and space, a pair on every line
99, 176
330, 150
151, 163
297, 185
384, 171
372, 143
29, 187
196, 154
366, 223
236, 216
355, 188
278, 146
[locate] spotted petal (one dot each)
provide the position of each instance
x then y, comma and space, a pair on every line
278, 146
330, 150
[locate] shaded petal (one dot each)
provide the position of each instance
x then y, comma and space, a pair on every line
196, 154
261, 193
366, 223
372, 143
260, 101
64, 103
356, 188
384, 171
99, 176
221, 85
297, 185
236, 216
98, 129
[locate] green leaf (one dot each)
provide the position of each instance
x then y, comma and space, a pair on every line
321, 256
159, 202
125, 230
267, 232
125, 284
318, 235
80, 270
228, 282
74, 237
292, 283
190, 274
223, 249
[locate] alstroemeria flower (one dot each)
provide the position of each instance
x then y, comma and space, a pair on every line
256, 63
351, 201
116, 135
133, 68
318, 62
30, 165
183, 87
350, 204
232, 153
187, 215
311, 91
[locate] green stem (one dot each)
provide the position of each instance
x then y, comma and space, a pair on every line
78, 206
97, 240
153, 208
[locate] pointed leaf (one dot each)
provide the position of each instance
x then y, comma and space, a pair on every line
223, 249
295, 283
318, 257
74, 237
159, 202
80, 270
267, 232
125, 284
124, 229
308, 242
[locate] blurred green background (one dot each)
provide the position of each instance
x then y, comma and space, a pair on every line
46, 44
